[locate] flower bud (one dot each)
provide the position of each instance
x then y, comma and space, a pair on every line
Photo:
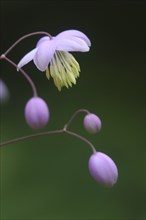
4, 92
103, 169
36, 113
92, 123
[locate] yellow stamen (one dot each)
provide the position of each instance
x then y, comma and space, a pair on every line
64, 69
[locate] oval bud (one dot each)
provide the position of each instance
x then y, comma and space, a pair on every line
103, 169
92, 123
4, 92
36, 113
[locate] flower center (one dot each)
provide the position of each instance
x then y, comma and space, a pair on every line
64, 69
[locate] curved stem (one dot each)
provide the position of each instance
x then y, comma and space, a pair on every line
30, 136
73, 116
61, 131
81, 138
26, 36
24, 74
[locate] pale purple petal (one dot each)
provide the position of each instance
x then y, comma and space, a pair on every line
72, 44
26, 59
43, 39
74, 33
44, 54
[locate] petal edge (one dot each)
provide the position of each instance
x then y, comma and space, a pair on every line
44, 54
26, 59
72, 44
74, 33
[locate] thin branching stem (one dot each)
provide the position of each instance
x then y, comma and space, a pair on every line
61, 131
26, 36
13, 141
24, 74
4, 56
74, 115
81, 138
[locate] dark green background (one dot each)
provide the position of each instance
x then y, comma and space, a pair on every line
48, 177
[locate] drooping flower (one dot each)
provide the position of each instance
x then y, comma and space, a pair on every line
92, 123
103, 169
4, 92
36, 113
52, 55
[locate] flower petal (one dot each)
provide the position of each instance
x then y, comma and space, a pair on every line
43, 39
44, 54
74, 33
26, 59
72, 44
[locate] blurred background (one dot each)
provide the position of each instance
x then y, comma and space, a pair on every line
47, 177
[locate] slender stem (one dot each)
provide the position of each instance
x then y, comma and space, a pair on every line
26, 36
81, 138
61, 131
31, 136
74, 115
24, 74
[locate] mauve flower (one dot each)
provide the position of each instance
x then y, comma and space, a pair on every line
92, 123
36, 113
4, 92
103, 169
54, 51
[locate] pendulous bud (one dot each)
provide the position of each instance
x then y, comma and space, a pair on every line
92, 123
103, 169
4, 92
36, 113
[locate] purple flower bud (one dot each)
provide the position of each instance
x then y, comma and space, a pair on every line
36, 113
103, 169
92, 123
4, 92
